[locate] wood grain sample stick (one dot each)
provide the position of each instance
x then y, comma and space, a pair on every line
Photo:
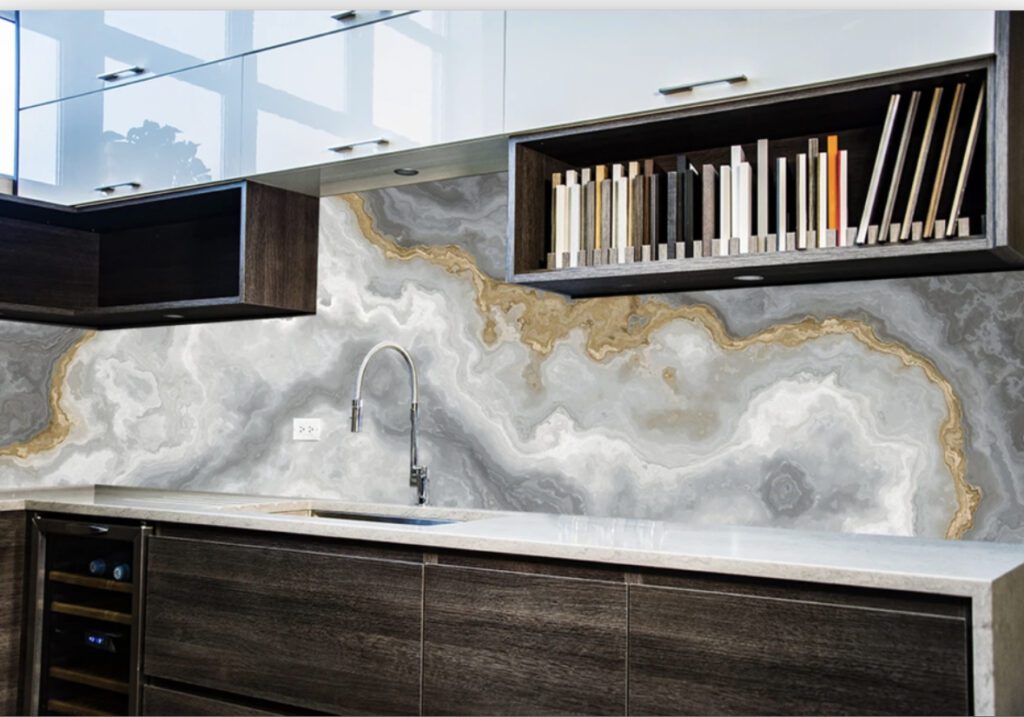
947, 148
600, 174
812, 183
763, 171
688, 183
965, 166
922, 160
707, 196
821, 226
673, 208
844, 200
897, 172
832, 152
725, 206
876, 173
780, 204
801, 201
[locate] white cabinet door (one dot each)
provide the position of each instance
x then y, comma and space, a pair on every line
170, 131
568, 66
413, 81
64, 53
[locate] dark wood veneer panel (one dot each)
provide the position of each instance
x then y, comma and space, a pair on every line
512, 643
539, 566
317, 631
12, 576
301, 543
240, 250
46, 266
712, 653
281, 243
177, 261
172, 703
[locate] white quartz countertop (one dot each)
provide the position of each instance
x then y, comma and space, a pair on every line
965, 568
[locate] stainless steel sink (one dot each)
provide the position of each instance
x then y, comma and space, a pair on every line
369, 517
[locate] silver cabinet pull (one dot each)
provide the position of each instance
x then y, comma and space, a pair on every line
343, 16
121, 74
352, 145
686, 88
111, 188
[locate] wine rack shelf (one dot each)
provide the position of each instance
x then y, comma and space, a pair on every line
85, 647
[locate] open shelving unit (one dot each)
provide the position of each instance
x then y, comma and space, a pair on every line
232, 251
852, 109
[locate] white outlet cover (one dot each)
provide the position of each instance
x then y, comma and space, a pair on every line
306, 429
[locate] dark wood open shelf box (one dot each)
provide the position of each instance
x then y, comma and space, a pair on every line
854, 110
233, 251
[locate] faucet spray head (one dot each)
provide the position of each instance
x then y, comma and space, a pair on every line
357, 415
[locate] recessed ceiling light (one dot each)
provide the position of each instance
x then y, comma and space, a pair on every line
749, 277
174, 316
406, 172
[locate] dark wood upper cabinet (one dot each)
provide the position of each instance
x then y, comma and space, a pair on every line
747, 648
503, 637
234, 251
273, 620
12, 582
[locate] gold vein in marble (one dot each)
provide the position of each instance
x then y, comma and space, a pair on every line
59, 425
621, 323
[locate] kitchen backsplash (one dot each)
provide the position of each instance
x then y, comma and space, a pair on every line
888, 407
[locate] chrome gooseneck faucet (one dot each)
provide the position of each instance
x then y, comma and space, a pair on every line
417, 473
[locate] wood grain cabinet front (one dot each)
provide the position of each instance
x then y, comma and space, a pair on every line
746, 648
12, 576
172, 703
323, 628
503, 638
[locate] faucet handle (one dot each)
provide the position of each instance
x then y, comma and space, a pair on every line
418, 479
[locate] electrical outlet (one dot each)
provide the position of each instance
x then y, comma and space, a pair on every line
306, 429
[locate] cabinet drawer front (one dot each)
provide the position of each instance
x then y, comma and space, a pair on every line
64, 53
417, 80
171, 703
317, 631
631, 55
499, 642
717, 653
167, 132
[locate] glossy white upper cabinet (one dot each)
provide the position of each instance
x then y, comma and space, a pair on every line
416, 80
68, 53
568, 66
171, 131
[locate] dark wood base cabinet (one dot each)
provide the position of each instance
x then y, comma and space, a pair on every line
323, 627
12, 571
498, 639
701, 648
247, 623
176, 703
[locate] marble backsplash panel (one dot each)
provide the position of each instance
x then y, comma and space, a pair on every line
890, 407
